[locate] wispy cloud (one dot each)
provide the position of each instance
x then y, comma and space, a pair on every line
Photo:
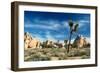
39, 37
47, 24
55, 37
65, 24
54, 27
49, 36
83, 23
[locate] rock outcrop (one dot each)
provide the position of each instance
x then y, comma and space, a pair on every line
30, 42
80, 42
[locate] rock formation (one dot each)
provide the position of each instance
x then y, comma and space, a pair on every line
80, 42
30, 42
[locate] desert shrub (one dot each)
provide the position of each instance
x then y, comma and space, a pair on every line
54, 58
85, 51
82, 52
62, 54
73, 53
70, 54
55, 53
85, 57
38, 57
48, 54
63, 58
44, 51
79, 52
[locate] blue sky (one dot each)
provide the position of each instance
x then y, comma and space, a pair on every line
54, 25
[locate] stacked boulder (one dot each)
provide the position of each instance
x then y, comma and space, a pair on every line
30, 42
80, 42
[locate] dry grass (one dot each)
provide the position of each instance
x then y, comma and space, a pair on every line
46, 54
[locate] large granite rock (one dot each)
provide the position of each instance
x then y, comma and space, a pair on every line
30, 42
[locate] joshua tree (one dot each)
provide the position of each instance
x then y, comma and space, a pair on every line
73, 28
65, 41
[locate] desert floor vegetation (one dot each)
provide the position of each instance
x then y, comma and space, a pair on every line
46, 54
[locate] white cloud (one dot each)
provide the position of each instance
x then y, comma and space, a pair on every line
65, 23
50, 37
53, 27
51, 24
88, 39
60, 36
48, 22
28, 25
39, 37
83, 23
56, 26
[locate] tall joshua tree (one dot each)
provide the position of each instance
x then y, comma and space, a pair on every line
73, 28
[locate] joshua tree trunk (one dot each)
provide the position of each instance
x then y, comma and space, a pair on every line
69, 41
